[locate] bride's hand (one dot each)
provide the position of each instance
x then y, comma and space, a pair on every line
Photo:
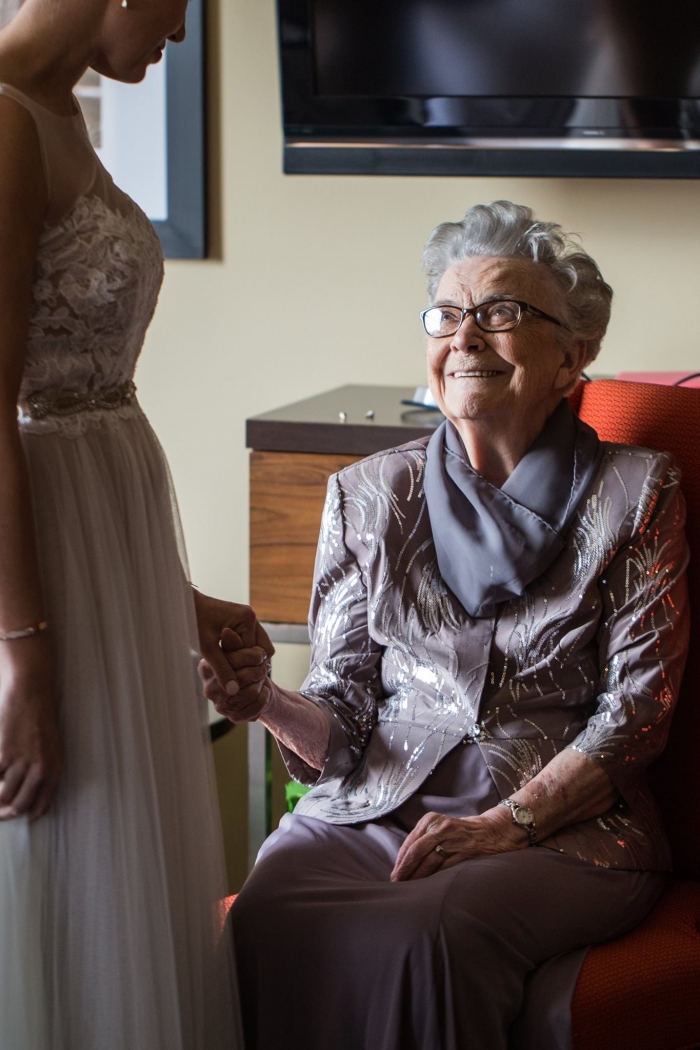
213, 618
30, 750
249, 668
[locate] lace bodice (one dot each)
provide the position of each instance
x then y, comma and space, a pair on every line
98, 271
98, 274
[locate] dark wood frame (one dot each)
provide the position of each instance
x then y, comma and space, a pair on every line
184, 233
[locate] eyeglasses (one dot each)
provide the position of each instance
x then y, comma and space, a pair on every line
499, 315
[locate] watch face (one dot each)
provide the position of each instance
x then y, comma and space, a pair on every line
523, 815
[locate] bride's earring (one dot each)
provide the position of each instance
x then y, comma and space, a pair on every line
125, 3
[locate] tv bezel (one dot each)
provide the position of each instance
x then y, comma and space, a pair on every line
386, 136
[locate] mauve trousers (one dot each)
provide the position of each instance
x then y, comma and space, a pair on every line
331, 955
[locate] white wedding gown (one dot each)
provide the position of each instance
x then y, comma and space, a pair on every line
108, 937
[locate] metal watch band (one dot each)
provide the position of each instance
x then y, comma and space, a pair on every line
527, 825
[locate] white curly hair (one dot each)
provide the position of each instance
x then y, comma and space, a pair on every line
506, 230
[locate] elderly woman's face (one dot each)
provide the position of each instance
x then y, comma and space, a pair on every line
476, 374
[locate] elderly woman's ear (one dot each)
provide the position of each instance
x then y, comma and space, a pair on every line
575, 356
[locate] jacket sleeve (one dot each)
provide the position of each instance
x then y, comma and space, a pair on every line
345, 675
643, 637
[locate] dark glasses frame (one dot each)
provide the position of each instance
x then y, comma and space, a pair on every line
474, 310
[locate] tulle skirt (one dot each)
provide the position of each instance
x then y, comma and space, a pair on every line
108, 934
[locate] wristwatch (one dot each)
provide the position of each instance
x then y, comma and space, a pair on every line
523, 817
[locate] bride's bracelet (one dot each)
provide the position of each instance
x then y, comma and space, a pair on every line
12, 636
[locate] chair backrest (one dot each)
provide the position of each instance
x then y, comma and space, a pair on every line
667, 419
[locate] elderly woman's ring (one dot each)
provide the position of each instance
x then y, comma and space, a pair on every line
268, 666
440, 850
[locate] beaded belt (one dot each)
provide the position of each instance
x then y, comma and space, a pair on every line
46, 403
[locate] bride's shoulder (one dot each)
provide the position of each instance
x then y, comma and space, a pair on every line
13, 106
21, 157
17, 117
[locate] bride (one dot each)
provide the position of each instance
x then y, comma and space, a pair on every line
110, 860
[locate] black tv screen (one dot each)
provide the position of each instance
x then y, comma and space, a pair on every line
560, 87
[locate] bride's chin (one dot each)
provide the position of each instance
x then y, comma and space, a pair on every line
132, 74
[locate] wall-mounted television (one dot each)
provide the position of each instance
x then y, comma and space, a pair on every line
491, 87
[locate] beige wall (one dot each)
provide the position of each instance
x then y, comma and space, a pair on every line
236, 335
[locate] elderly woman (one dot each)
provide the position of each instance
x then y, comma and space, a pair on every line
499, 628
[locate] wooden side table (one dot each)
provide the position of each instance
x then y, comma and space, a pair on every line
294, 451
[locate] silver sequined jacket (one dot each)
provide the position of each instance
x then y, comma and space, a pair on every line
590, 657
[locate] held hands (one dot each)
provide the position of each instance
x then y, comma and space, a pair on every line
459, 838
30, 753
249, 688
224, 629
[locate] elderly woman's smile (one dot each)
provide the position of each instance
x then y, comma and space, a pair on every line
506, 382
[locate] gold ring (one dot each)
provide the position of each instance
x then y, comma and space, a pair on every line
440, 850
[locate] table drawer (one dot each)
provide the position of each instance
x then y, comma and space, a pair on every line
287, 492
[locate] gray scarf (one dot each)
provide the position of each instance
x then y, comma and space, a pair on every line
490, 542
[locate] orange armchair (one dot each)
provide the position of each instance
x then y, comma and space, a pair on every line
642, 991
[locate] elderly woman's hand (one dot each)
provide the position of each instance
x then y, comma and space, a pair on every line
459, 838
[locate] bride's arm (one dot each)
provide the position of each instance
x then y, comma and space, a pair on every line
29, 747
